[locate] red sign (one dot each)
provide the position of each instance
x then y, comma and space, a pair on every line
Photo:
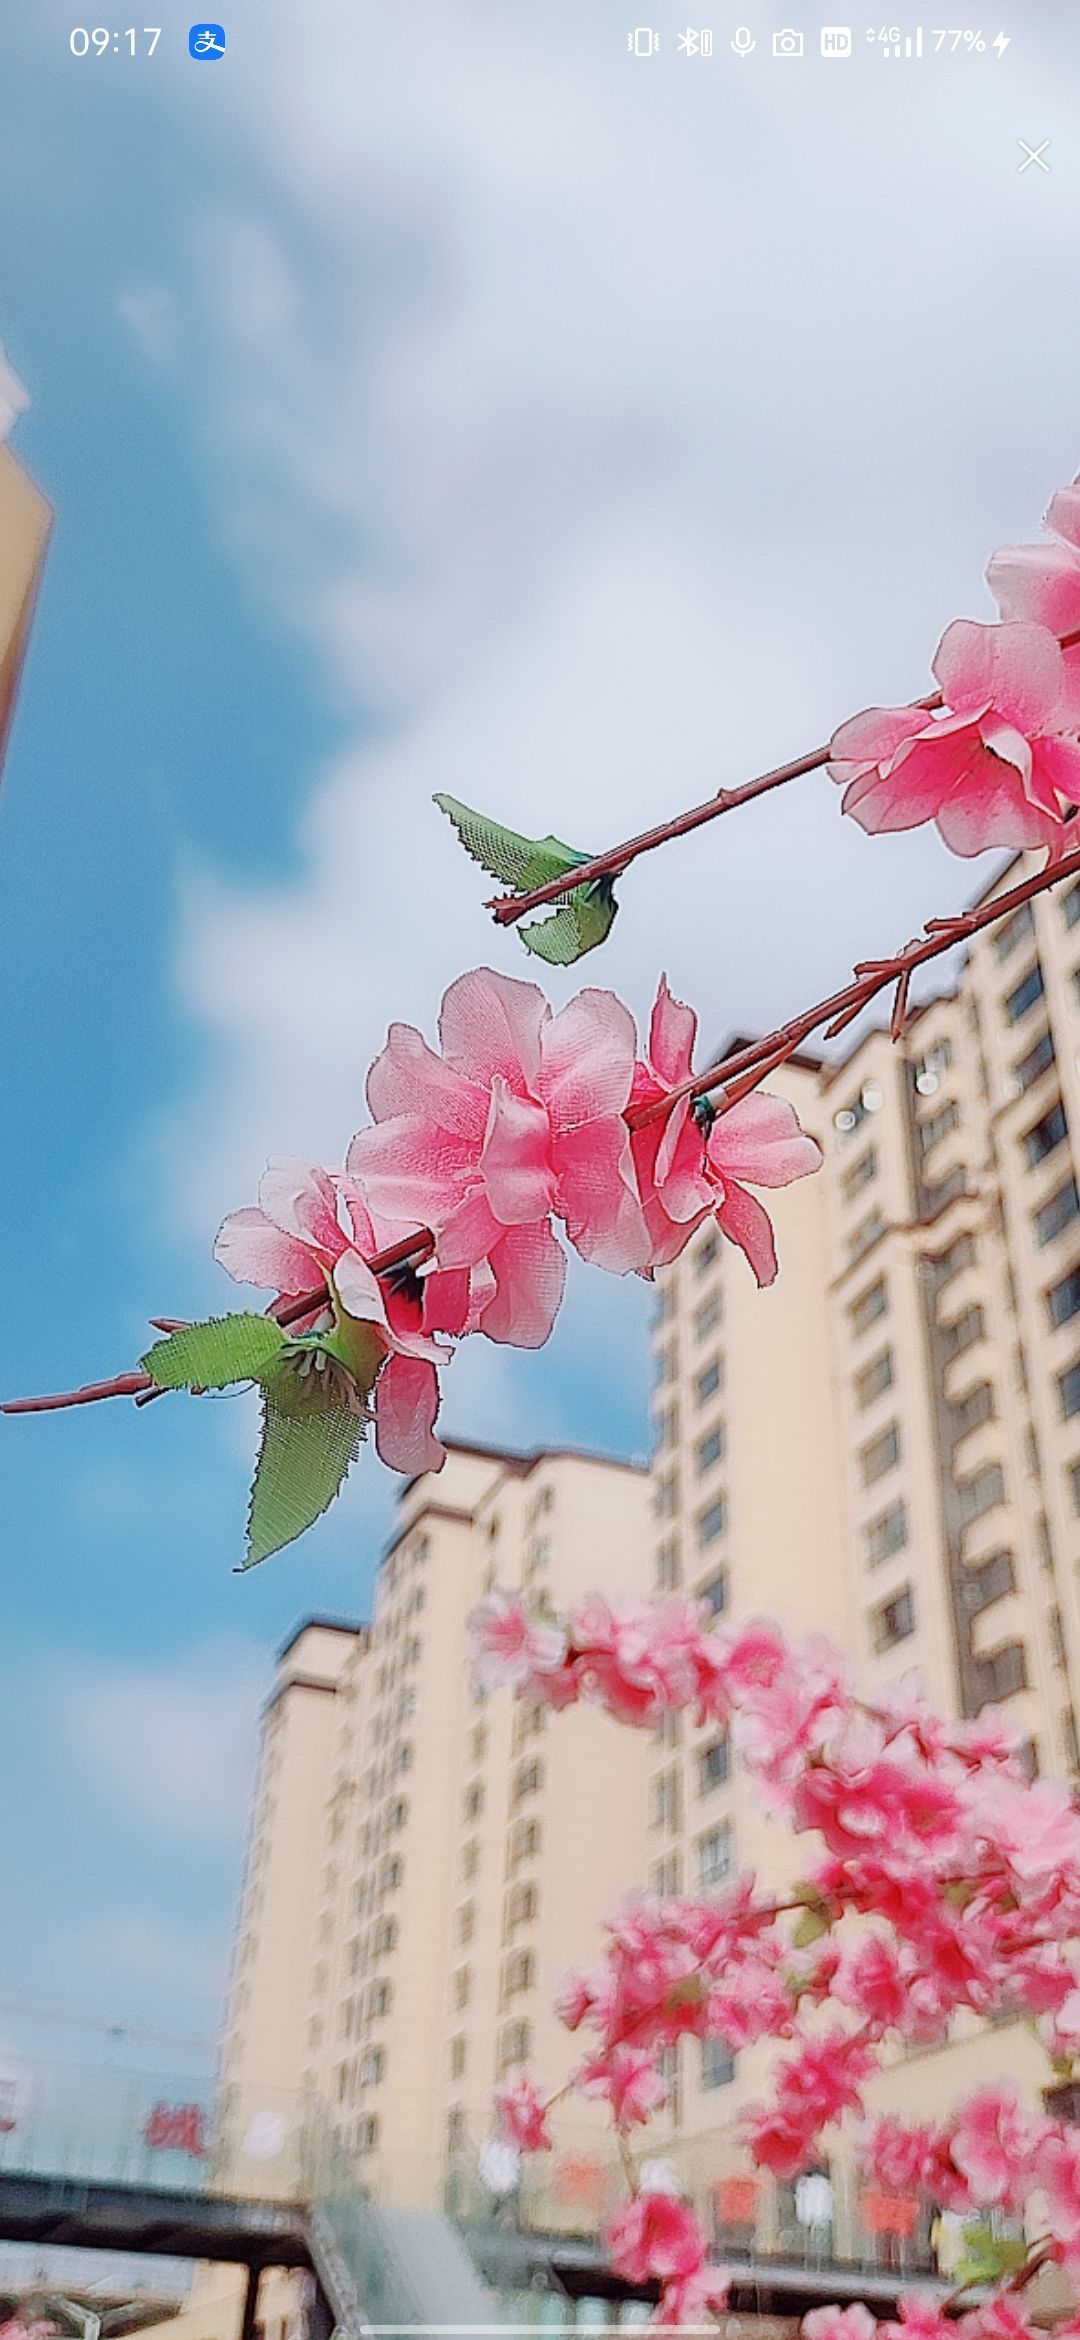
888, 2214
736, 2200
176, 2128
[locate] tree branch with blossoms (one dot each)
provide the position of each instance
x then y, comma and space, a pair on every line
940, 1881
442, 1222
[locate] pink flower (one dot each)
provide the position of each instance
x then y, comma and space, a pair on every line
1000, 766
521, 2115
508, 1651
629, 2080
1041, 582
837, 2323
521, 1116
921, 2319
310, 1228
693, 1162
691, 2297
655, 2237
1032, 1826
994, 2145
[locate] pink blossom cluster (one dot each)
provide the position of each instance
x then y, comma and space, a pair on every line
516, 1125
997, 762
938, 1879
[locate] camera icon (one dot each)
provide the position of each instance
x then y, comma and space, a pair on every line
787, 43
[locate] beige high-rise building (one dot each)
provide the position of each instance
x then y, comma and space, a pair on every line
25, 521
425, 1859
886, 1445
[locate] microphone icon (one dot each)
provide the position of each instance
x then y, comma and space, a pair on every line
744, 41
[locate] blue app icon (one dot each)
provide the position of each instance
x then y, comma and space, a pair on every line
206, 40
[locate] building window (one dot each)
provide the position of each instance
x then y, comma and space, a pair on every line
963, 1331
668, 1571
1069, 1391
940, 1125
466, 1922
989, 1582
714, 1593
1058, 1650
874, 1378
944, 1265
529, 1780
970, 1411
710, 1450
470, 1859
381, 2000
372, 2066
664, 1799
711, 1522
860, 1174
1045, 1135
462, 1986
709, 1380
871, 1304
863, 1237
1069, 1735
1020, 1002
1063, 1300
666, 1495
1074, 1485
666, 1876
384, 1937
665, 1365
930, 1067
392, 1874
894, 1620
525, 1843
457, 2057
1004, 1673
515, 2045
714, 1764
1057, 1214
881, 1455
367, 2134
520, 1974
715, 1856
665, 1428
1031, 1067
474, 1800
522, 1906
886, 1535
707, 1251
981, 1492
708, 1316
717, 2063
1007, 936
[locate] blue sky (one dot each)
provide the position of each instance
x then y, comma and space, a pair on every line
441, 401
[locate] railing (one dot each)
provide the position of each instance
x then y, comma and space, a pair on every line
112, 2122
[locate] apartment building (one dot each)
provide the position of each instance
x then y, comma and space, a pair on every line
886, 1445
448, 1852
25, 521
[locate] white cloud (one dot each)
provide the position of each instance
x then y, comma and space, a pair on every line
609, 430
173, 1743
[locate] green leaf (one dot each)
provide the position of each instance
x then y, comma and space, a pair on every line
987, 2255
578, 922
306, 1449
217, 1353
809, 1929
579, 925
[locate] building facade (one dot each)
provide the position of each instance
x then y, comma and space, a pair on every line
25, 521
886, 1445
448, 1853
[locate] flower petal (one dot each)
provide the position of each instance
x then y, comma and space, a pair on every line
409, 1078
406, 1405
747, 1223
530, 1275
516, 1160
587, 1060
490, 1026
760, 1139
255, 1251
672, 1033
302, 1200
1040, 582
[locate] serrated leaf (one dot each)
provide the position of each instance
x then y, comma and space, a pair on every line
578, 925
987, 2256
578, 922
520, 862
213, 1355
305, 1453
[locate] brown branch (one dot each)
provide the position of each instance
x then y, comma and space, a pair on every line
508, 908
747, 1067
142, 1386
